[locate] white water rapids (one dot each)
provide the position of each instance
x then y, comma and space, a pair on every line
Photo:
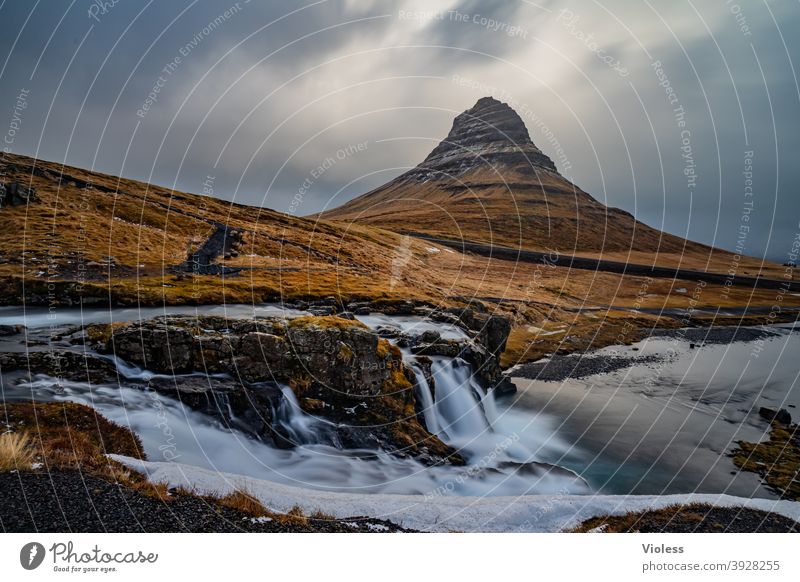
502, 447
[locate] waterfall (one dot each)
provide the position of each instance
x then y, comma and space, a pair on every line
130, 371
461, 410
423, 392
503, 452
487, 401
460, 414
301, 428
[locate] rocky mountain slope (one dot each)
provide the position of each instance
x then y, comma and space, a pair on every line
488, 182
84, 237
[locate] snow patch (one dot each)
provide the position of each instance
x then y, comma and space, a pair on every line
525, 513
262, 519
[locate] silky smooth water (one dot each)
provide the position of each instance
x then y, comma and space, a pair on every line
36, 317
504, 451
653, 428
668, 427
171, 431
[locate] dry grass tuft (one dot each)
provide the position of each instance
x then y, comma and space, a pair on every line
72, 436
294, 516
16, 451
244, 502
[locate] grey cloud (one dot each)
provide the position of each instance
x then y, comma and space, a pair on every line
401, 100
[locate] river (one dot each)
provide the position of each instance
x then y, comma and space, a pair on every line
663, 424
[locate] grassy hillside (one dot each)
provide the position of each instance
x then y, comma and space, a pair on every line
97, 238
541, 212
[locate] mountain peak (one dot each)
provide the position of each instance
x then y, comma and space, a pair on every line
487, 101
490, 133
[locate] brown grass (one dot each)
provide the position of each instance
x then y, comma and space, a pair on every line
683, 518
777, 459
67, 435
149, 229
16, 451
245, 502
631, 522
326, 322
581, 333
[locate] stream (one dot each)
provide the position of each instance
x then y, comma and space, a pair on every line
503, 450
663, 424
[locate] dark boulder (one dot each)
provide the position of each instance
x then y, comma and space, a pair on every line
430, 336
448, 348
780, 415
6, 330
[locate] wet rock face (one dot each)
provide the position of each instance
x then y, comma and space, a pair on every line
490, 133
340, 354
491, 334
159, 347
247, 408
64, 364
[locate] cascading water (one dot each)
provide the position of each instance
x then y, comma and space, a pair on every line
459, 412
501, 449
301, 428
423, 393
464, 415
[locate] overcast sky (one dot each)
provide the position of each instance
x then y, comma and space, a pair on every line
259, 96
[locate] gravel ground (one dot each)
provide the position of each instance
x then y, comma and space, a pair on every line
561, 367
716, 335
68, 501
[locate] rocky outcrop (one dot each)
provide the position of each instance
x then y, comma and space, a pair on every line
489, 333
223, 241
490, 336
16, 194
59, 363
780, 415
337, 369
159, 347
